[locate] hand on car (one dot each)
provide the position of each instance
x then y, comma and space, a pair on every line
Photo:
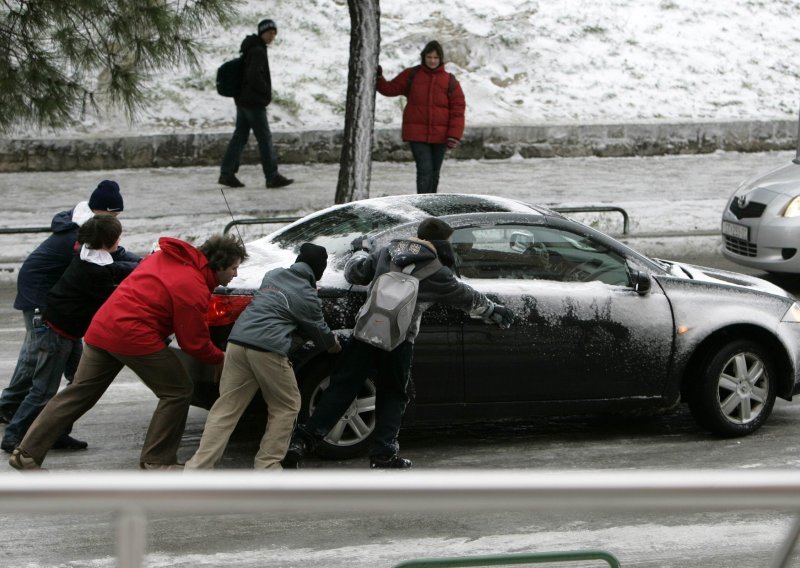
502, 316
361, 243
336, 347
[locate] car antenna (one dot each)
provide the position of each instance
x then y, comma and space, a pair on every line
225, 199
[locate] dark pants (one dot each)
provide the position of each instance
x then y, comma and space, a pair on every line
161, 372
429, 158
247, 119
389, 369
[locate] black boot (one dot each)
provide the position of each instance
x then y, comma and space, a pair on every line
389, 462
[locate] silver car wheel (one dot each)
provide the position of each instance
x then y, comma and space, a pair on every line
742, 389
358, 421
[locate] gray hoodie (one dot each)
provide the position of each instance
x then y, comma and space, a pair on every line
285, 304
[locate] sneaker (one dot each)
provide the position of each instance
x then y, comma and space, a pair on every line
161, 466
8, 447
67, 442
279, 181
389, 462
295, 453
230, 181
21, 461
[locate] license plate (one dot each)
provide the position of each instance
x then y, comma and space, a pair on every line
737, 231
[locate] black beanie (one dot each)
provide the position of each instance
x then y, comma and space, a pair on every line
106, 197
265, 25
433, 229
315, 256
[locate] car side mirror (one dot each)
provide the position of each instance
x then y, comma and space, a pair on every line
641, 282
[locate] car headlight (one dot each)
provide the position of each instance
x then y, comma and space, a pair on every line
793, 209
792, 315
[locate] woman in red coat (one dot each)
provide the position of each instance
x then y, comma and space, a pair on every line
433, 119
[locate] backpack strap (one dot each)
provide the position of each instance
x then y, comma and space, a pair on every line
411, 76
428, 270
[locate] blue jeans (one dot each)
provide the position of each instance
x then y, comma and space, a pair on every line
247, 119
389, 369
53, 355
21, 379
429, 158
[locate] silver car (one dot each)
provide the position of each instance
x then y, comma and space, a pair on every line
761, 221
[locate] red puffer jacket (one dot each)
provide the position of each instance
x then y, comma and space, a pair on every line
430, 115
167, 293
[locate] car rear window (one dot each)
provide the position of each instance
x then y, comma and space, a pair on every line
439, 205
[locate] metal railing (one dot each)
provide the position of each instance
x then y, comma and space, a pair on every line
132, 495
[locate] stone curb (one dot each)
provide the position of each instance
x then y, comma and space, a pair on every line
324, 146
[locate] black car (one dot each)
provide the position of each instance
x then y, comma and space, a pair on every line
598, 327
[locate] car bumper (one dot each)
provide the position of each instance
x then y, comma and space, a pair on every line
772, 246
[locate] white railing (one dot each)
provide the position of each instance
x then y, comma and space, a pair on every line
135, 494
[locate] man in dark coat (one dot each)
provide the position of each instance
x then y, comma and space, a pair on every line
391, 369
251, 111
40, 271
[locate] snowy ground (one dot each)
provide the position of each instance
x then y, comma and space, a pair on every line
519, 61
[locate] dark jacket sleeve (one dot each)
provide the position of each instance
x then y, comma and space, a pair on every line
360, 268
443, 287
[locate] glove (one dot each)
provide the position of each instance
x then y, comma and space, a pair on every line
502, 316
452, 143
361, 243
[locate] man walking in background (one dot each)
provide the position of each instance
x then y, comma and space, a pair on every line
251, 111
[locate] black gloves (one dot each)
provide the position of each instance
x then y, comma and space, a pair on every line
362, 242
502, 316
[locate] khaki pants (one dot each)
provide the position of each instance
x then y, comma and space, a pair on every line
245, 372
161, 372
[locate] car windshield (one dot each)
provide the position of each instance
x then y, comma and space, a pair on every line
335, 229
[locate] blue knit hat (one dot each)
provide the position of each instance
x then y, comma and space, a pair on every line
106, 197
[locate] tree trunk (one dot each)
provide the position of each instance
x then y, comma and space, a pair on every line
359, 119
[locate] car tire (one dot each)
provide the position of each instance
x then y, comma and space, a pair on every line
351, 436
734, 392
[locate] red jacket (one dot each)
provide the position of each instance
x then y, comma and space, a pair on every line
168, 293
430, 115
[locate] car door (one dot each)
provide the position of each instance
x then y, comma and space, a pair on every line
581, 331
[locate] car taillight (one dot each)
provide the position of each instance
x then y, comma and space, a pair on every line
223, 310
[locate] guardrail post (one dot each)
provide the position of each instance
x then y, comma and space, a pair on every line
131, 538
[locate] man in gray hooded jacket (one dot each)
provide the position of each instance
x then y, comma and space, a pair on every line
257, 358
391, 370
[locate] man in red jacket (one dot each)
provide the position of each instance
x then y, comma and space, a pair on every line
168, 293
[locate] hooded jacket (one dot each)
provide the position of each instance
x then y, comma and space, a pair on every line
257, 83
441, 287
431, 115
80, 292
285, 304
168, 293
45, 265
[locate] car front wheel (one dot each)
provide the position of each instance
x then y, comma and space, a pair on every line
351, 435
734, 392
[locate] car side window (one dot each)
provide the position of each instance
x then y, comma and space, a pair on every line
532, 252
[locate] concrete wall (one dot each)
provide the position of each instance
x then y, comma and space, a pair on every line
206, 149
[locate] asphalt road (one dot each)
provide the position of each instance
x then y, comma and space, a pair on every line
159, 201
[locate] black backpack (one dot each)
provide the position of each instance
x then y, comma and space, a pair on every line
229, 77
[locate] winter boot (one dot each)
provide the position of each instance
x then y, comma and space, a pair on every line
389, 462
